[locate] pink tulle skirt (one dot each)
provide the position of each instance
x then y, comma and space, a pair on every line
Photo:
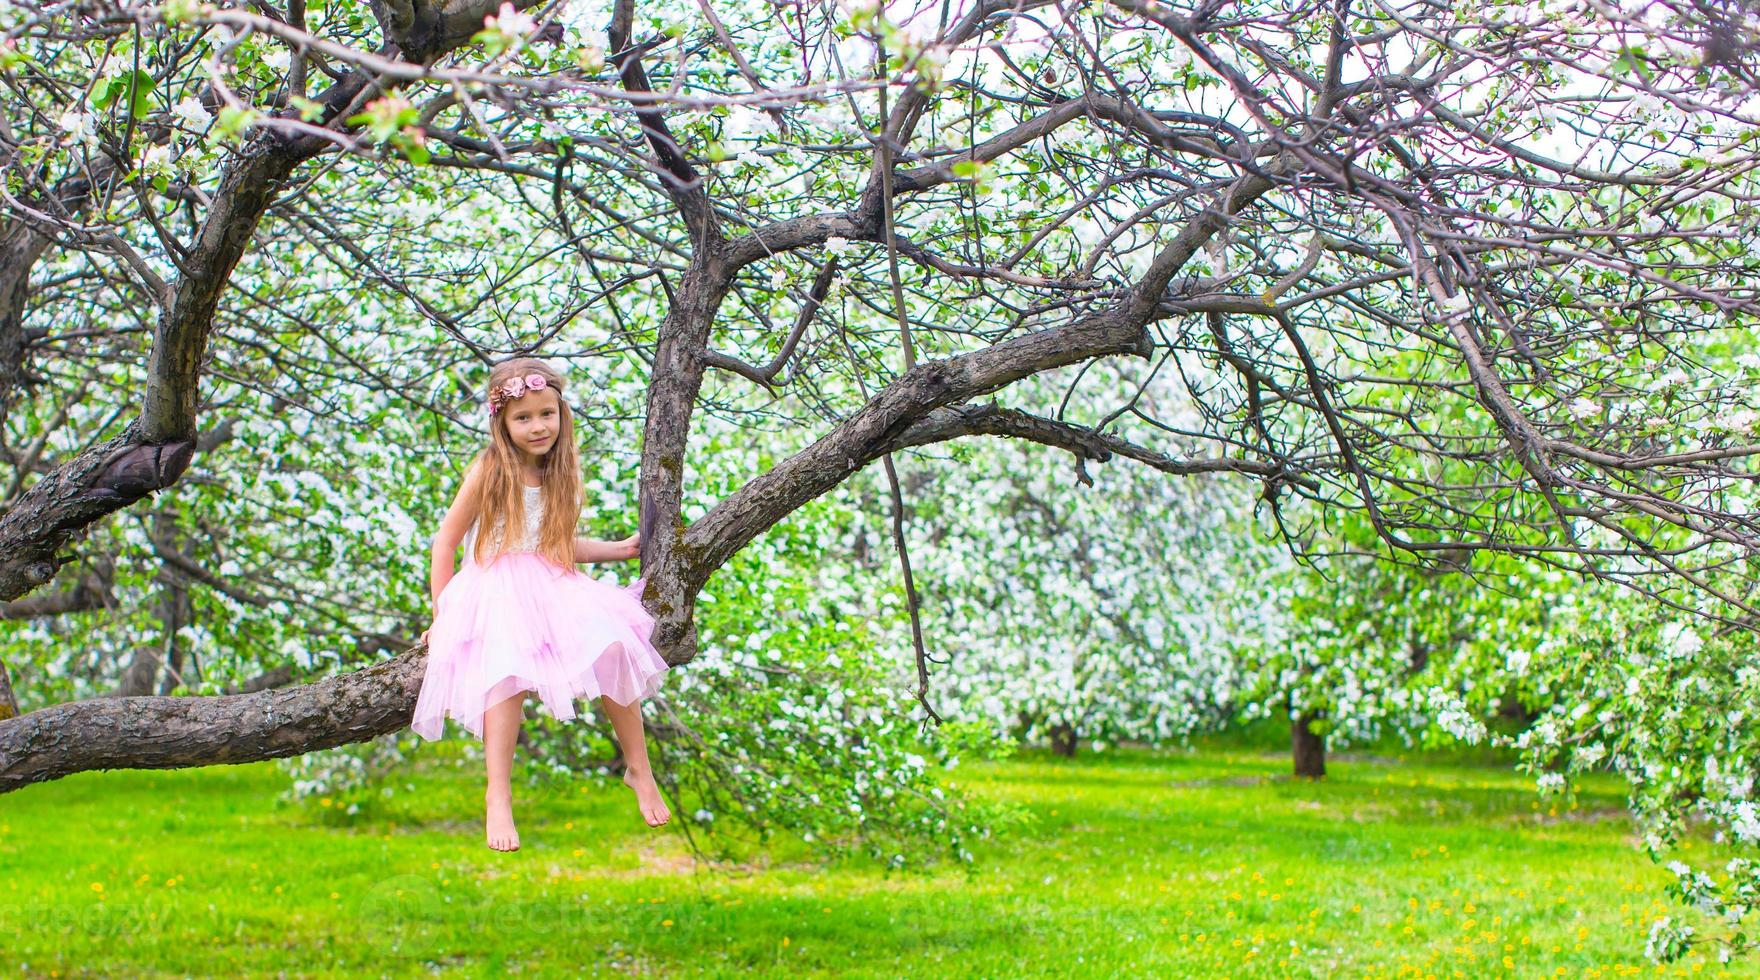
521, 623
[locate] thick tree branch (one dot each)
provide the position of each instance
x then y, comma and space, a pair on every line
913, 395
957, 421
175, 732
90, 592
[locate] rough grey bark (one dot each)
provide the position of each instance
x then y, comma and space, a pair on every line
8, 701
92, 591
175, 732
20, 247
90, 486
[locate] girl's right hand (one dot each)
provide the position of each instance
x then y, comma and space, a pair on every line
432, 620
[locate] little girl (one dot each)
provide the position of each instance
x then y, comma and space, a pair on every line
517, 617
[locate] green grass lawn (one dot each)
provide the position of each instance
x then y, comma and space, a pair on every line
1136, 863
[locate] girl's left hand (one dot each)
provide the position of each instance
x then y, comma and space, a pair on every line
629, 547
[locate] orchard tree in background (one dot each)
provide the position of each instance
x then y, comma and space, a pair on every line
1480, 274
1364, 644
1106, 616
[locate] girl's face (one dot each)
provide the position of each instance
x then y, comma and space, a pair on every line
533, 420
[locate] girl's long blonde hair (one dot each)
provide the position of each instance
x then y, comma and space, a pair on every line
500, 492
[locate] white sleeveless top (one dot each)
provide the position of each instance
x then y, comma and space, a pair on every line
528, 541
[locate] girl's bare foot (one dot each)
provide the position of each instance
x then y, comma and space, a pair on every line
654, 809
499, 823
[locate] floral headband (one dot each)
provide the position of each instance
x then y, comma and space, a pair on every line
514, 388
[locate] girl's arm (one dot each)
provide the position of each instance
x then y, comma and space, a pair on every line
589, 550
452, 531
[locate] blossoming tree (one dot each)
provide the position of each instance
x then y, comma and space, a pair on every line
1478, 273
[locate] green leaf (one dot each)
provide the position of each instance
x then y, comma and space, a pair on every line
135, 87
232, 121
106, 93
1631, 60
181, 11
140, 93
310, 110
492, 40
414, 150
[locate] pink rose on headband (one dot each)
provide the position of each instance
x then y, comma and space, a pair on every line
514, 388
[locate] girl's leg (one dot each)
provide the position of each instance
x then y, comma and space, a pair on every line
501, 726
638, 775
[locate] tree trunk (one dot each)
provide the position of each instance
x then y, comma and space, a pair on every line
8, 703
1064, 740
1309, 749
171, 620
142, 671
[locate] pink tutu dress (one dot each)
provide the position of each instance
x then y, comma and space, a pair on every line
521, 623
